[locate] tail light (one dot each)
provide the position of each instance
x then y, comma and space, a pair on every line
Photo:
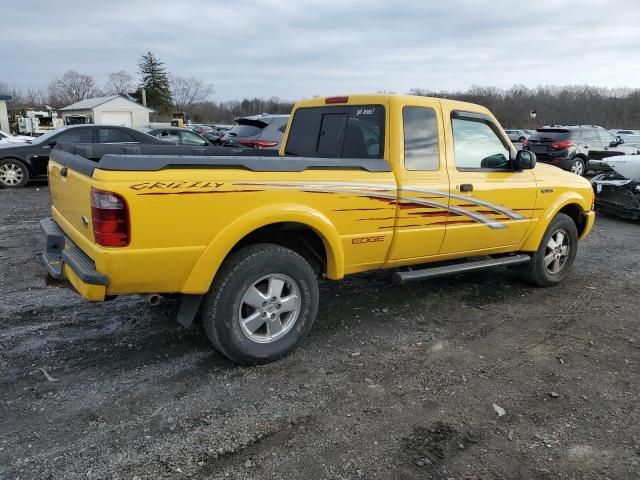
110, 217
563, 144
257, 143
525, 143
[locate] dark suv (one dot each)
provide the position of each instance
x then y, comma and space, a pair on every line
576, 148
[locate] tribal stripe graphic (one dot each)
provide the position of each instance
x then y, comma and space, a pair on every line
391, 192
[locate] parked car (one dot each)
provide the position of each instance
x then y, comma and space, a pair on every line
625, 132
618, 191
630, 137
21, 162
577, 148
257, 131
181, 136
244, 238
517, 135
7, 138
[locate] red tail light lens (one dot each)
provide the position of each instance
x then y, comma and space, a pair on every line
525, 143
110, 217
258, 143
563, 144
336, 100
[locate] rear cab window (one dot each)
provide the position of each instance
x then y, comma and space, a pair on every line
353, 131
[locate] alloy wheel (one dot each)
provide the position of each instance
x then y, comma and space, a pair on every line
269, 308
557, 252
11, 174
577, 167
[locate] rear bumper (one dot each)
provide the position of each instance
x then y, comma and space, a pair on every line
65, 261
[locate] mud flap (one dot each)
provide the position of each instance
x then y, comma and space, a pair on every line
188, 309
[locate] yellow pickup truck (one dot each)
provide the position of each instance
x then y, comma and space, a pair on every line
361, 182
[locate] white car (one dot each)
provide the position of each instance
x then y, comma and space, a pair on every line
8, 138
517, 135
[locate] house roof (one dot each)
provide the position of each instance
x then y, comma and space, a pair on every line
90, 103
5, 97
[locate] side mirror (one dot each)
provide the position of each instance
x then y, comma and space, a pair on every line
52, 143
525, 160
620, 140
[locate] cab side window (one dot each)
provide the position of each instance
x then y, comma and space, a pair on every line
420, 139
477, 146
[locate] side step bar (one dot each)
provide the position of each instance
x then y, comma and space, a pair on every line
433, 272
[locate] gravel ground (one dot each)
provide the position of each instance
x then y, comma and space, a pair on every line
393, 382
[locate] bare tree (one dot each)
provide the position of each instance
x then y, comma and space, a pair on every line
71, 88
188, 92
119, 83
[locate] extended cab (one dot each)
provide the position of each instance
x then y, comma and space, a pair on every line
362, 182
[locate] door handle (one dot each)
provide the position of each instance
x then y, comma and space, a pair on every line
466, 187
63, 171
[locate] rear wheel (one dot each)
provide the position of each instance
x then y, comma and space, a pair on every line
521, 139
557, 251
261, 305
13, 173
578, 166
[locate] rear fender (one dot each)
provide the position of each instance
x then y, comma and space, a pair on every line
533, 239
207, 266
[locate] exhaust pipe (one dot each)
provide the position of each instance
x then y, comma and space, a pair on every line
154, 299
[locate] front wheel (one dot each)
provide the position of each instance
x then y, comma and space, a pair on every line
521, 139
261, 305
13, 173
578, 166
557, 251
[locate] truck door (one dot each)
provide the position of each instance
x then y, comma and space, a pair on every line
423, 183
491, 205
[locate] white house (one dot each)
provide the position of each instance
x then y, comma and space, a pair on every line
111, 110
4, 118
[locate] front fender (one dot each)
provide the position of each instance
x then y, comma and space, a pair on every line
533, 239
207, 266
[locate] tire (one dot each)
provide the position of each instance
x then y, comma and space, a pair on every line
246, 288
537, 271
13, 173
578, 166
521, 139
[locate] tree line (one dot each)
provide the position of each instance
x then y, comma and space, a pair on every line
571, 104
167, 93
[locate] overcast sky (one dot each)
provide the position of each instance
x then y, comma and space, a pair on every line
296, 48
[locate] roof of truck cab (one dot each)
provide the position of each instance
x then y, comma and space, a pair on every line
386, 98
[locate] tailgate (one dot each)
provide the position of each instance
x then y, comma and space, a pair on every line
71, 201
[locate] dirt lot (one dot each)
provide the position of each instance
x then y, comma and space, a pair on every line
393, 382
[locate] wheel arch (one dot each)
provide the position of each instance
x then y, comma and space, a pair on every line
570, 204
272, 224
